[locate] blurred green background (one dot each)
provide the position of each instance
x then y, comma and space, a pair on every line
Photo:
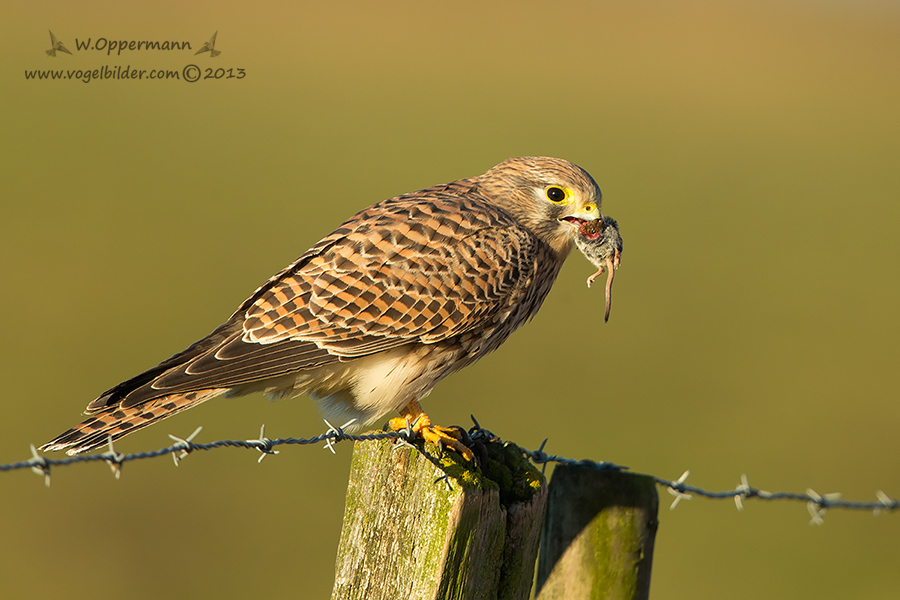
749, 151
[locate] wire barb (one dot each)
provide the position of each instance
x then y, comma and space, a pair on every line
184, 445
113, 458
818, 505
336, 434
885, 503
263, 444
40, 465
676, 488
743, 491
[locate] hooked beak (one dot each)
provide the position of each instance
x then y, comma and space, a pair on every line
586, 219
588, 225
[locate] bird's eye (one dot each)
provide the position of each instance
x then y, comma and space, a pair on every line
555, 194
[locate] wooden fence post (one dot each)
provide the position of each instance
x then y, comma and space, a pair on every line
598, 535
422, 525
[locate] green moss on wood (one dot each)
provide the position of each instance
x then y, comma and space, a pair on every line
424, 523
518, 479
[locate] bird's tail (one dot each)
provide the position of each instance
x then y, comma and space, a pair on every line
116, 421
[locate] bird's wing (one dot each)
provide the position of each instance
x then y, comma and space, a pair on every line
418, 268
52, 39
416, 271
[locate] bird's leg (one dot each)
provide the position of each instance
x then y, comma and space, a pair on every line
413, 416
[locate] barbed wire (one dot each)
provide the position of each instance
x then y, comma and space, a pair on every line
817, 503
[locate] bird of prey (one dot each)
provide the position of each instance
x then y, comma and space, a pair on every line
601, 243
56, 45
210, 47
373, 316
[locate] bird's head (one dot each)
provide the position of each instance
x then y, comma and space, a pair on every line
554, 198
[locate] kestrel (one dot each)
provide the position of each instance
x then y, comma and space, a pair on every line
373, 316
601, 243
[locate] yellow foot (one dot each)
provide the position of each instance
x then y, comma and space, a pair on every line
443, 437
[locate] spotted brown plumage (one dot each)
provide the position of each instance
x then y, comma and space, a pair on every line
370, 318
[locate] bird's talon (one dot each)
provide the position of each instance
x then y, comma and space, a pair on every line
443, 437
397, 424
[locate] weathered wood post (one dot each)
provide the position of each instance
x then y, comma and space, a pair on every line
419, 524
598, 535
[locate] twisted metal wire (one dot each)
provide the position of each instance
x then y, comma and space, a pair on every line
817, 503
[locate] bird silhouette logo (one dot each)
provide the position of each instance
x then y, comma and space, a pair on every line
210, 47
58, 46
